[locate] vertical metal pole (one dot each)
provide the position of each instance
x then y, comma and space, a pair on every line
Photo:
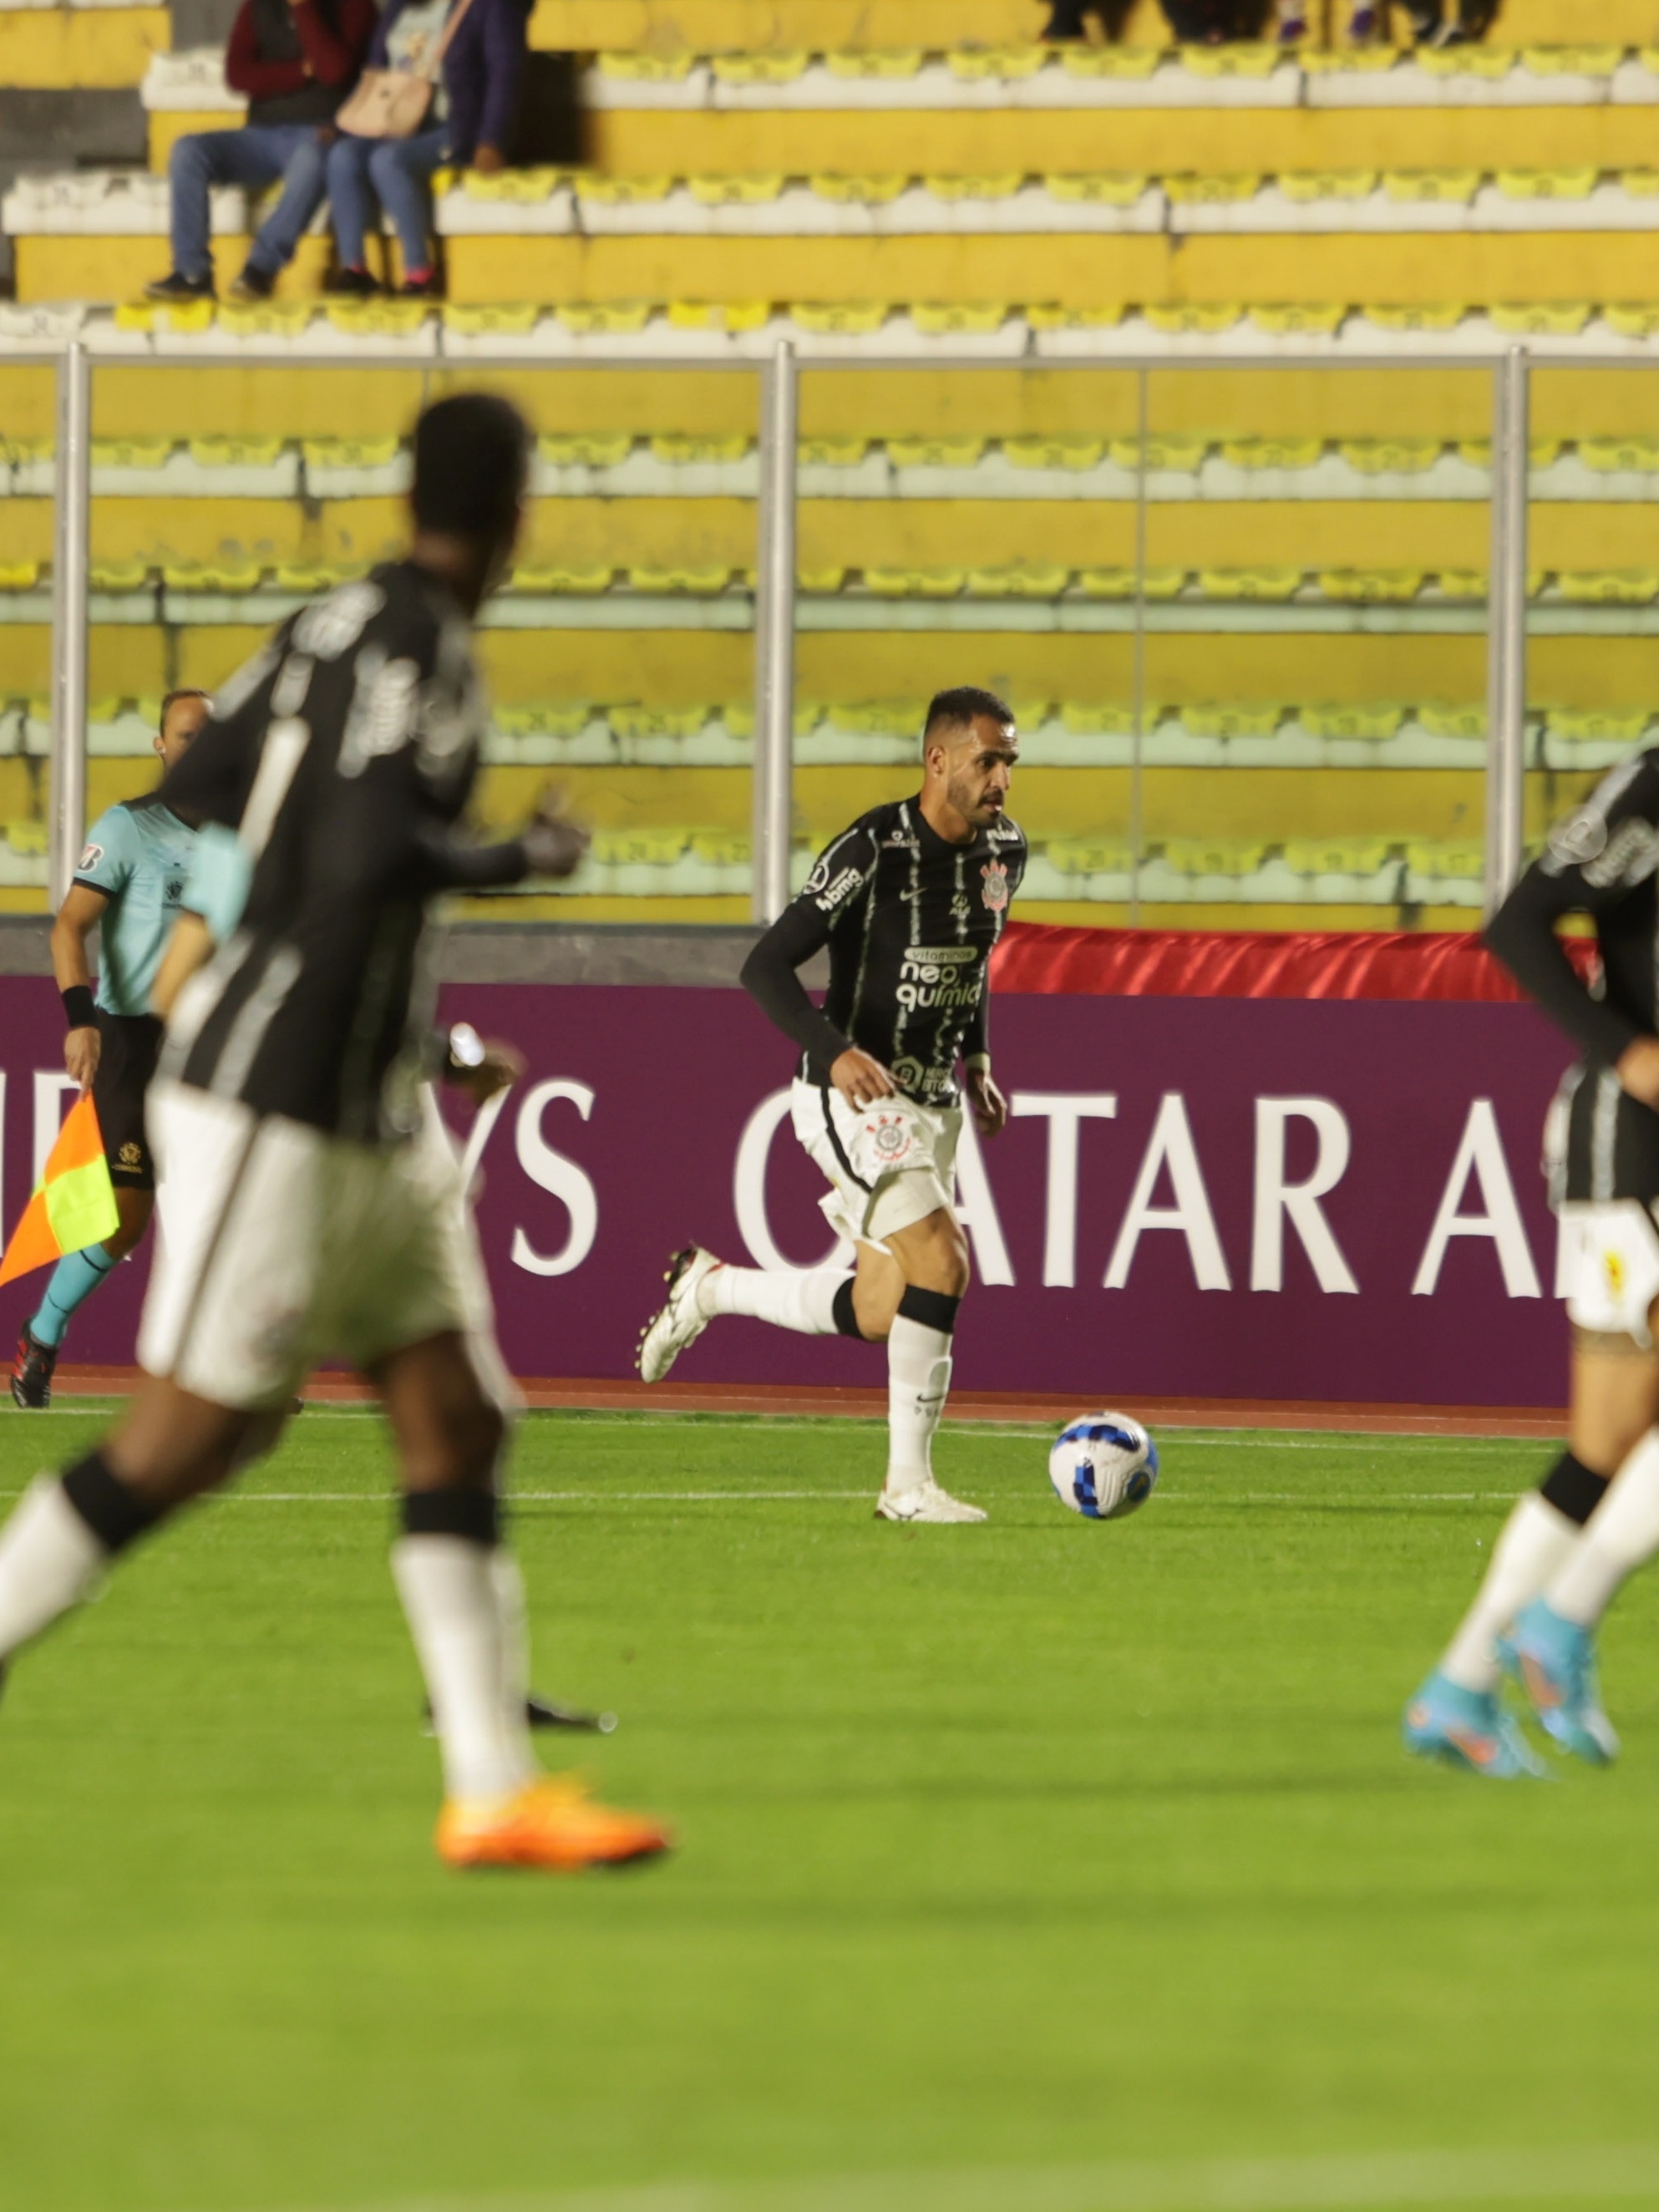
1137, 679
775, 638
70, 560
1506, 628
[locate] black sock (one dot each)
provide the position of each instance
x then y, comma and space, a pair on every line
1573, 1489
475, 1515
847, 1322
933, 1309
115, 1514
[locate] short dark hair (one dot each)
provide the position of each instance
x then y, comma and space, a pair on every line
960, 707
185, 691
471, 464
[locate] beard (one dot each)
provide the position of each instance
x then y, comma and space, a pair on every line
968, 802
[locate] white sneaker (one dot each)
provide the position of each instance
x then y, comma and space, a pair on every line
925, 1502
680, 1321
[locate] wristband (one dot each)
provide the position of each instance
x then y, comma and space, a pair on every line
79, 1010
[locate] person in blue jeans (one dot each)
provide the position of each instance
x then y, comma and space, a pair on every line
295, 61
467, 125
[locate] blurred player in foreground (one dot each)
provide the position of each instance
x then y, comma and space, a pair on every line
910, 901
1569, 1545
310, 1204
128, 886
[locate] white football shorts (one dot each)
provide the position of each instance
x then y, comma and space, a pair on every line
888, 1167
282, 1246
1608, 1268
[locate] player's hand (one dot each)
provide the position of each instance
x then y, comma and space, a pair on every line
498, 1070
861, 1080
1638, 1071
554, 844
81, 1050
990, 1108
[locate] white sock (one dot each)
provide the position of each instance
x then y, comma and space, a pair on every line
1623, 1536
49, 1560
513, 1615
786, 1296
1532, 1544
459, 1613
918, 1384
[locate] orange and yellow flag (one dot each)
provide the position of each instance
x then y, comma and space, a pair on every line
75, 1206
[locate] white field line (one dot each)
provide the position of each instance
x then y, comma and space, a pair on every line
381, 1498
1335, 2184
1184, 1439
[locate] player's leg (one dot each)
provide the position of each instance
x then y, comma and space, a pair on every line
69, 1286
1552, 1647
464, 1599
930, 1262
810, 1301
169, 1447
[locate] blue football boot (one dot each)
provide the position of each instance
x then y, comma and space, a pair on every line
1467, 1729
1553, 1661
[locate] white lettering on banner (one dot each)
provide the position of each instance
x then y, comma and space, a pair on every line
749, 1189
1278, 1202
52, 1085
552, 1172
1171, 1145
1481, 1152
1065, 1111
976, 1209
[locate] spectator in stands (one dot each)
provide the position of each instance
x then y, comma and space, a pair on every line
295, 60
467, 125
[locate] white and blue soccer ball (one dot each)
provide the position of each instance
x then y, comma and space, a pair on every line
1103, 1466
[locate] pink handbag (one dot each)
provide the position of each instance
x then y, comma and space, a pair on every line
392, 103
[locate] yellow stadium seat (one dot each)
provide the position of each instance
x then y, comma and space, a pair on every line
561, 582
904, 62
1248, 60
1599, 724
1183, 456
657, 721
735, 191
1329, 183
728, 315
1371, 586
1017, 583
1546, 184
972, 66
679, 451
1391, 456
915, 583
28, 838
646, 68
1251, 453
1058, 453
1441, 720
605, 318
351, 452
821, 582
699, 582
1122, 583
1431, 184
1084, 719
1190, 319
833, 453
1562, 320
588, 449
130, 453
849, 318
1213, 856
760, 69
306, 577
1461, 858
118, 576
657, 848
720, 848
1268, 584
273, 319
1337, 856
19, 575
1638, 320
935, 453
1285, 321
1615, 453
514, 187
1074, 318
565, 719
623, 192
1464, 583
225, 453
859, 192
1095, 856
1445, 317
945, 321
1373, 723
1466, 61
1623, 587
1571, 61
1204, 190
377, 318
1105, 190
1110, 61
505, 320
1001, 186
1233, 720
232, 576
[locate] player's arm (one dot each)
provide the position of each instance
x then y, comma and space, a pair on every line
1590, 864
804, 927
989, 1106
78, 916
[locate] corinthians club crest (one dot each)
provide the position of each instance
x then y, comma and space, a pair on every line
996, 893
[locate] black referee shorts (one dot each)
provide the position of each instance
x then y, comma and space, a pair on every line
1600, 1144
127, 1050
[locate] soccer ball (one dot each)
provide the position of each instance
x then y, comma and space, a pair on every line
1103, 1466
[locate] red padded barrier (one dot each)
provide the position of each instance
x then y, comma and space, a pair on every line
1257, 963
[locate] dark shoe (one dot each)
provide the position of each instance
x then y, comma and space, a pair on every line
172, 289
253, 284
354, 283
420, 288
30, 1372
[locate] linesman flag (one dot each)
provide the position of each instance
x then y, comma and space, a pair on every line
75, 1205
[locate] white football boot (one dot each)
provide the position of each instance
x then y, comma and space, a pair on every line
924, 1501
680, 1320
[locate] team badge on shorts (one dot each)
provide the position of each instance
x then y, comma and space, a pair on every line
1613, 1262
995, 894
892, 1138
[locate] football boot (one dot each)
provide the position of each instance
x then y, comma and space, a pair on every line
680, 1320
552, 1823
32, 1371
1467, 1729
924, 1501
1553, 1661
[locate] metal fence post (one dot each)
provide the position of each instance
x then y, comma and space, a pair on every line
775, 638
70, 559
1506, 628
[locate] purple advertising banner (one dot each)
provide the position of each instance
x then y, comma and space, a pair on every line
1199, 1198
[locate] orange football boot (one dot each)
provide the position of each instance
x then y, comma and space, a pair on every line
552, 1823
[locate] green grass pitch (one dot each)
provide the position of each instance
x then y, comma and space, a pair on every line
1041, 1867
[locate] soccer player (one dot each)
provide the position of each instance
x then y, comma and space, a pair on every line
910, 901
1569, 1545
128, 886
322, 1212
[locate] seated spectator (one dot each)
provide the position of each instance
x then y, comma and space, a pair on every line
467, 125
295, 60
